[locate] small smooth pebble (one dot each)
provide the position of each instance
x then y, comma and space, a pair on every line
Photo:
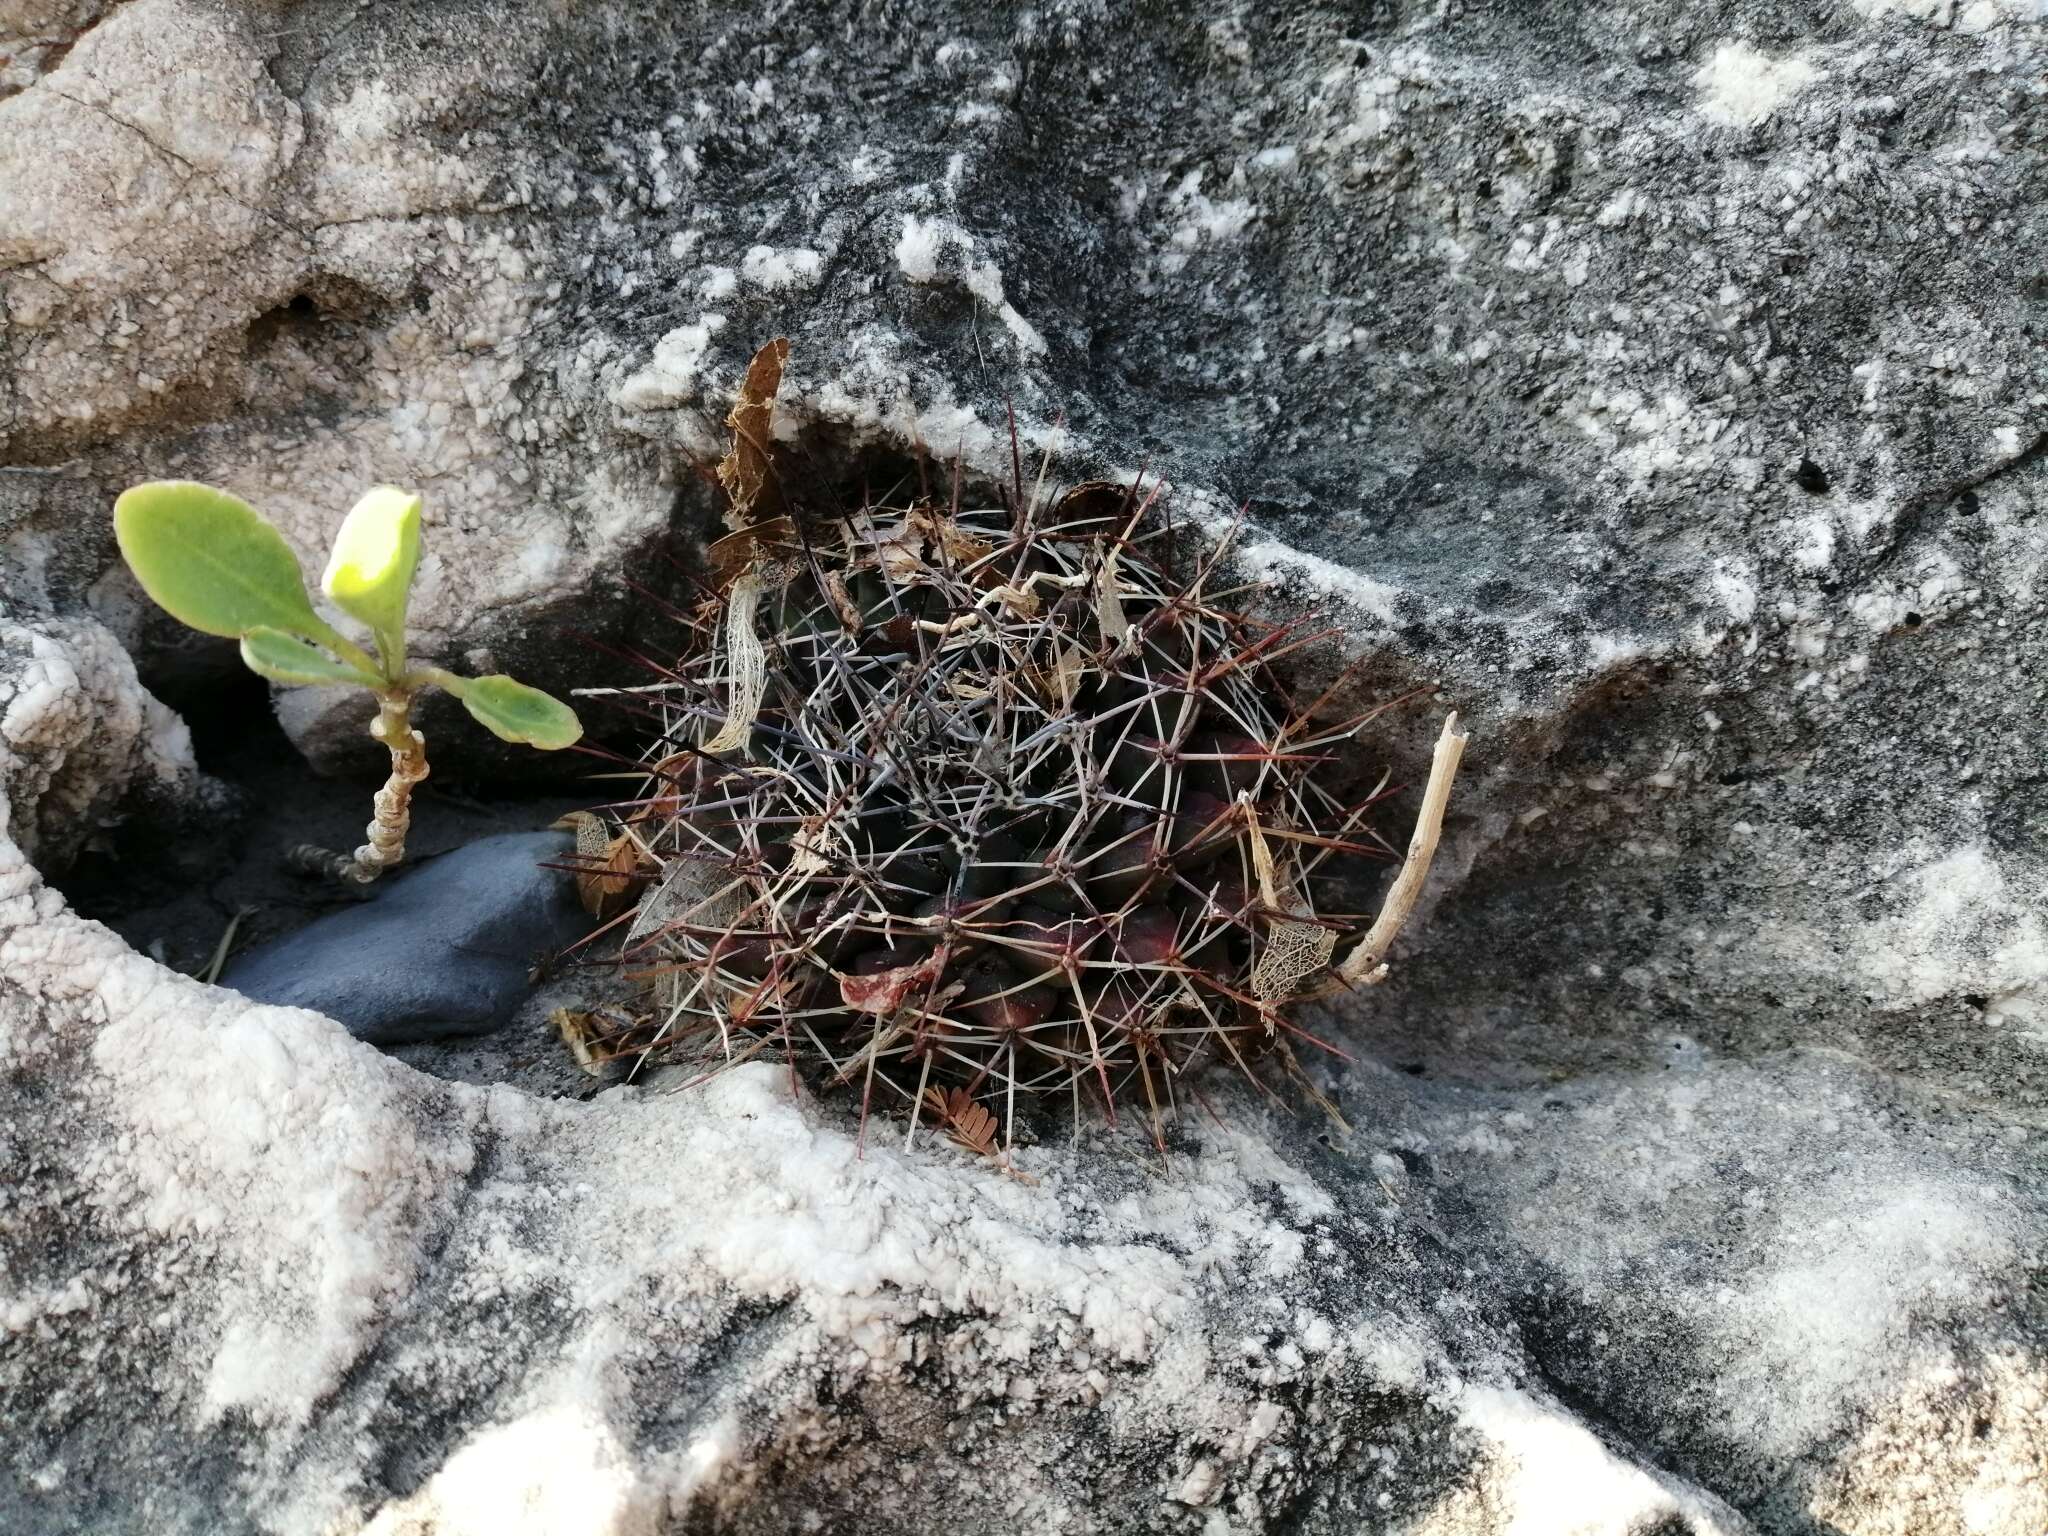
443, 948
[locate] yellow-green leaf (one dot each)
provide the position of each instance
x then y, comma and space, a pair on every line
211, 561
369, 574
286, 658
519, 713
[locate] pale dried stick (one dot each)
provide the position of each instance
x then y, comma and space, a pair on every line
749, 664
1367, 963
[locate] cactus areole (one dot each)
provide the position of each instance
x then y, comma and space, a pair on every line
979, 806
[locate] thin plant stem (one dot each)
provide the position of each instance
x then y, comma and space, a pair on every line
391, 813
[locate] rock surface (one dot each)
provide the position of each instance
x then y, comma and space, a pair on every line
82, 743
1663, 380
444, 948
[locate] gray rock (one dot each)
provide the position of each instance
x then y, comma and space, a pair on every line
82, 743
443, 948
1662, 379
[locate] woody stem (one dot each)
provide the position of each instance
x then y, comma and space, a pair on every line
391, 815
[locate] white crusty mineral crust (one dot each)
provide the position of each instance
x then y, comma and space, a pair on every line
79, 736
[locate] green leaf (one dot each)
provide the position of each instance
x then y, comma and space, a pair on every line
369, 574
519, 713
286, 658
211, 561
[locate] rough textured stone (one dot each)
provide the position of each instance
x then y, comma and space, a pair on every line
82, 745
446, 948
1662, 380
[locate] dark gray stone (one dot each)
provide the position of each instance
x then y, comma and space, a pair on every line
444, 948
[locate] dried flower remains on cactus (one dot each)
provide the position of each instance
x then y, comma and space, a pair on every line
965, 807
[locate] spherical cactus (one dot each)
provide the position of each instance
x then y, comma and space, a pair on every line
969, 809
982, 801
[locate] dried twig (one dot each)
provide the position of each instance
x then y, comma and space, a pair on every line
1366, 964
220, 950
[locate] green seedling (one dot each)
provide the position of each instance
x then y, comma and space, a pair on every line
213, 562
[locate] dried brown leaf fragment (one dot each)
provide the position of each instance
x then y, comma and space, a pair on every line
748, 469
964, 1121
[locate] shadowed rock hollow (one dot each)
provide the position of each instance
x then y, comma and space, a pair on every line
1661, 380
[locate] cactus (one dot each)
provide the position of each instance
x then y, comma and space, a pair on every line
979, 806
